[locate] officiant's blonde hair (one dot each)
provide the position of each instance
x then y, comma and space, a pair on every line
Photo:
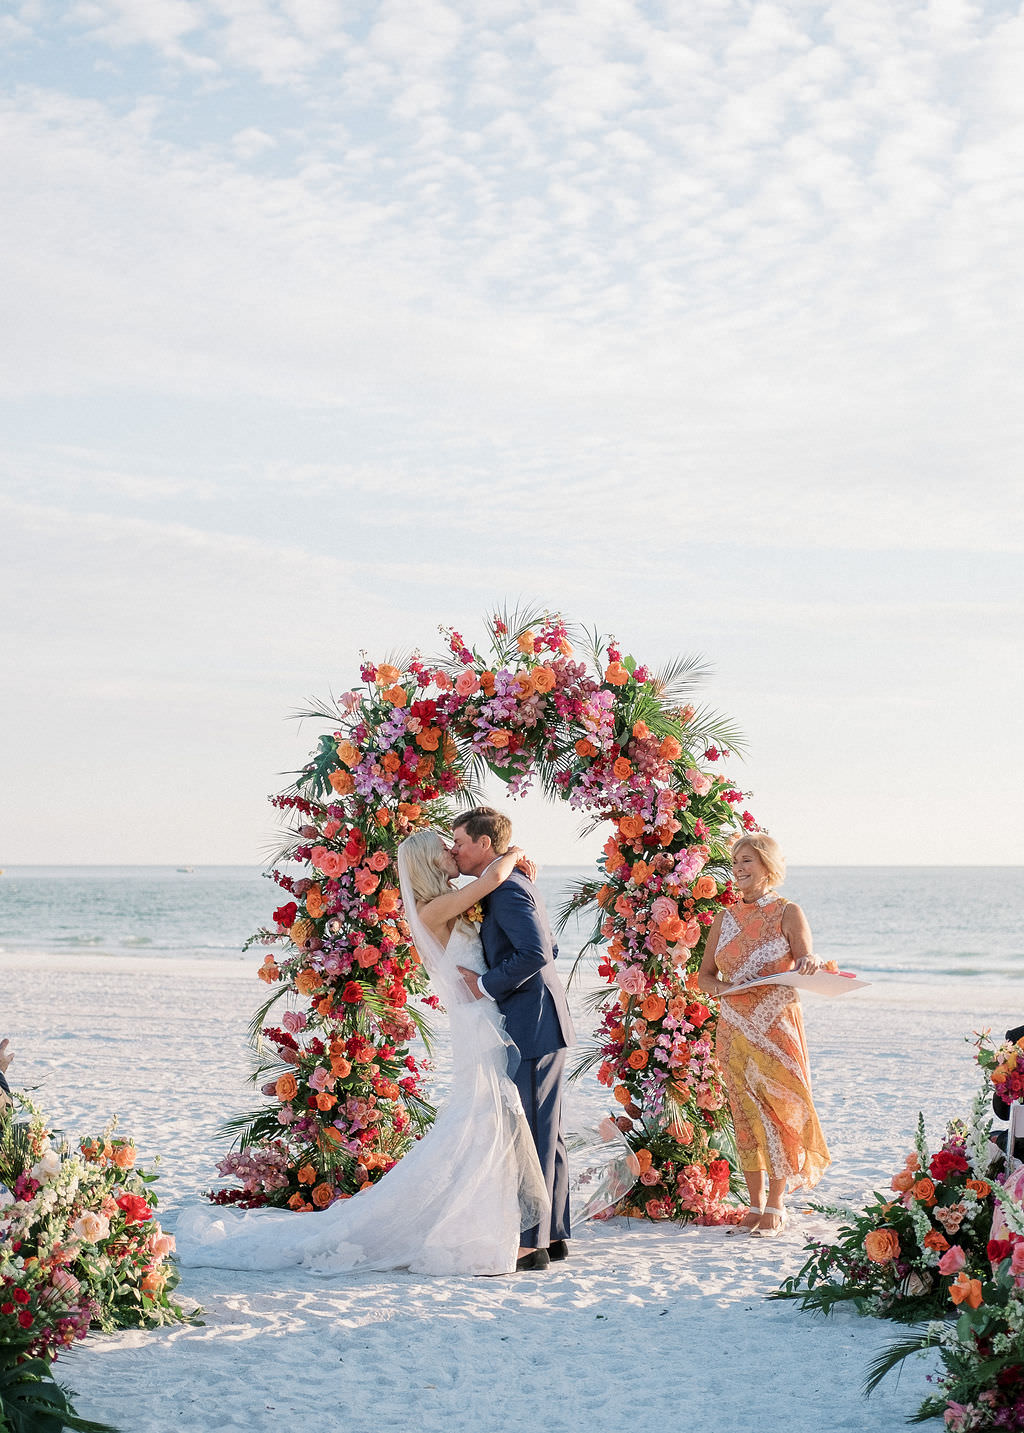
768, 852
424, 851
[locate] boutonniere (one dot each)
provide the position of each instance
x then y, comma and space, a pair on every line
475, 914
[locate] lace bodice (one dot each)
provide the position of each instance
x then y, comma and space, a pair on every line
465, 948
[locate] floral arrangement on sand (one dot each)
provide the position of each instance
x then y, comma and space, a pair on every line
406, 749
80, 1248
947, 1246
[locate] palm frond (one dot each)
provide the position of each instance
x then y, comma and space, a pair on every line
707, 727
586, 1059
256, 1023
676, 681
891, 1357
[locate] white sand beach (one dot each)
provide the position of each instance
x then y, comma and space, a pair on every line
647, 1325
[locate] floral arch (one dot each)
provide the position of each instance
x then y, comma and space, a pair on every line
406, 749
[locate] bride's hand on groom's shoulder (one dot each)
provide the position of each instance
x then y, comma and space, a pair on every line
524, 864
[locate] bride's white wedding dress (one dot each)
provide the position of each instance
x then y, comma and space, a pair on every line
454, 1205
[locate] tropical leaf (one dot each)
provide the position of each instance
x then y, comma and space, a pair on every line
892, 1357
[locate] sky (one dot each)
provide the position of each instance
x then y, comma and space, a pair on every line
325, 323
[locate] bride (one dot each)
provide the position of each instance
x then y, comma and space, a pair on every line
458, 1200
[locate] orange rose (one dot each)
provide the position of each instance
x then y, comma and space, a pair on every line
640, 730
343, 783
388, 900
653, 1007
637, 1059
616, 674
498, 738
543, 679
429, 739
391, 762
307, 982
671, 927
882, 1246
340, 1067
644, 1159
935, 1240
924, 1191
382, 816
622, 769
286, 1088
585, 747
670, 750
966, 1291
681, 1131
641, 870
487, 683
704, 888
367, 955
307, 1174
981, 1189
526, 642
297, 1202
123, 1156
325, 1100
322, 1195
347, 753
631, 827
410, 810
522, 685
622, 1094
269, 971
315, 903
387, 675
397, 696
902, 1182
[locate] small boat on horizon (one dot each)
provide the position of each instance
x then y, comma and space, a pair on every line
187, 870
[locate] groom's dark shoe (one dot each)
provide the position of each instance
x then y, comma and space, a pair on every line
536, 1259
558, 1249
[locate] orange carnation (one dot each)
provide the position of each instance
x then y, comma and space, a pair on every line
348, 753
543, 679
966, 1291
622, 768
322, 1195
882, 1246
924, 1191
286, 1087
637, 1059
704, 888
343, 783
616, 674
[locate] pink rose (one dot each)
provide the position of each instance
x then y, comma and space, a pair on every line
952, 1260
701, 784
650, 1176
379, 861
466, 682
1017, 1259
632, 980
663, 909
293, 1021
163, 1245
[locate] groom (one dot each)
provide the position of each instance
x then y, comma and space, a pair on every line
520, 977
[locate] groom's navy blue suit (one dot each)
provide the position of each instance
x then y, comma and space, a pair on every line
520, 954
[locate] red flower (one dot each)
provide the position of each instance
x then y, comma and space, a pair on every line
25, 1319
134, 1208
947, 1162
353, 992
998, 1250
21, 1296
285, 915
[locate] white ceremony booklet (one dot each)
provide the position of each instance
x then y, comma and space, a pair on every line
822, 982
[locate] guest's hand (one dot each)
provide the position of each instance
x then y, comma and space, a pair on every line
6, 1055
807, 965
472, 982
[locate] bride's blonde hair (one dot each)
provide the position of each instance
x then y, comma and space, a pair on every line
424, 853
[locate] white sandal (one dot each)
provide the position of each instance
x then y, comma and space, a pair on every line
771, 1233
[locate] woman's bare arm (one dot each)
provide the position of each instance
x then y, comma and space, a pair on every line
442, 910
798, 933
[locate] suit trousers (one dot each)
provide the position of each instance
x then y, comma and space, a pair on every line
539, 1083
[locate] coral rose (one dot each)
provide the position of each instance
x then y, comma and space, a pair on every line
322, 1195
379, 861
340, 1067
123, 1156
543, 679
498, 738
348, 753
966, 1291
631, 827
622, 769
286, 1087
923, 1190
704, 888
882, 1245
367, 955
637, 1059
953, 1260
466, 682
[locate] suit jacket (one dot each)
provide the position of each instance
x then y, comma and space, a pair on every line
1000, 1107
520, 953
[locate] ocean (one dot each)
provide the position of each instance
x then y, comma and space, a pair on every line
906, 922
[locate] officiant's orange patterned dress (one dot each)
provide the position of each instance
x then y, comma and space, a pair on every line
762, 1051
